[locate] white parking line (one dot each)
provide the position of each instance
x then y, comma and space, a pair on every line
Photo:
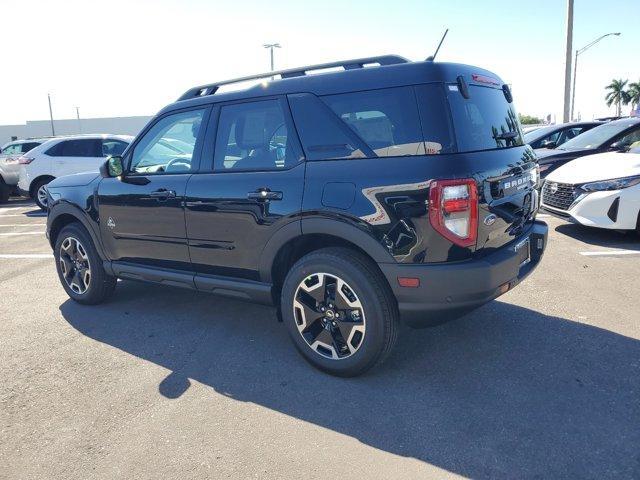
26, 255
24, 215
543, 215
4, 209
23, 225
16, 234
610, 253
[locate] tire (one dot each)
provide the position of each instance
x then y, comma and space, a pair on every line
310, 290
5, 191
37, 193
75, 254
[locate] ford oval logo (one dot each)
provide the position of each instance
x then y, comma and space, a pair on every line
490, 219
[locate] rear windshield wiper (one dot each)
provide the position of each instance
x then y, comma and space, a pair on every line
506, 135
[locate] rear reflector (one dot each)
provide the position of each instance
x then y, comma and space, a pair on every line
453, 210
409, 282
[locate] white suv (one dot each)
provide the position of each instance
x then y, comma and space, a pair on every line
65, 156
9, 167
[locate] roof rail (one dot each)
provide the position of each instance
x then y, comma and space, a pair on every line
211, 88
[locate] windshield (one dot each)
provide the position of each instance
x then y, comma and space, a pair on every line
539, 133
485, 121
595, 137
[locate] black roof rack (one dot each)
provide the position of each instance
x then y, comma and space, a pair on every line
211, 88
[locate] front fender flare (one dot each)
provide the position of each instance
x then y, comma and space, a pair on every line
65, 208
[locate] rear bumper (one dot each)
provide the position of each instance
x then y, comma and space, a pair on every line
448, 291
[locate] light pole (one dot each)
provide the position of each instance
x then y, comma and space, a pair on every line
271, 46
575, 66
53, 130
567, 62
78, 116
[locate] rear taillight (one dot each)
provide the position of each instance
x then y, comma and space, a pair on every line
25, 160
453, 210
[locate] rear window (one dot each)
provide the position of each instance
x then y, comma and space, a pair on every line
485, 121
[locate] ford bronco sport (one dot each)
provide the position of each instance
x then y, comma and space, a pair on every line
385, 191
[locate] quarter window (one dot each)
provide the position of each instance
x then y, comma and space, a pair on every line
253, 136
386, 120
169, 145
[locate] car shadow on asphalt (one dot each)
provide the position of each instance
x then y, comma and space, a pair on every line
600, 237
503, 392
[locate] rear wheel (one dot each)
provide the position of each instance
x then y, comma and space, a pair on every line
340, 312
80, 267
40, 193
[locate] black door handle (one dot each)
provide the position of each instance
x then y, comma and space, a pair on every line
163, 194
264, 195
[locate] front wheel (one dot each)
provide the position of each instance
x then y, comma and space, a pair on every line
80, 268
339, 311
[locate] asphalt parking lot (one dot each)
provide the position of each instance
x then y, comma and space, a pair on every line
541, 383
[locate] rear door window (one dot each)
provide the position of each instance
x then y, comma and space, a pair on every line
485, 121
253, 136
77, 148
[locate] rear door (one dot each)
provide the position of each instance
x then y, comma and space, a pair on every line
142, 212
253, 187
76, 156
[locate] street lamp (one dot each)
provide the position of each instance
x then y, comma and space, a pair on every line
271, 46
575, 68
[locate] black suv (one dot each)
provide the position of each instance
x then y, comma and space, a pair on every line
349, 199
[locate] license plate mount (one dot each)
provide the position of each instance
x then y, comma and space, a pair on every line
523, 251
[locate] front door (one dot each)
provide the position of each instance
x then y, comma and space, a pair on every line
142, 212
254, 189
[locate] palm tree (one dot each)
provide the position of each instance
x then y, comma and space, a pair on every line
634, 94
617, 94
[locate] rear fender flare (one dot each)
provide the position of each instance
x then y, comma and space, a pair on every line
325, 226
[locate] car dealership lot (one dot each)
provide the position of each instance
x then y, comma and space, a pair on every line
543, 382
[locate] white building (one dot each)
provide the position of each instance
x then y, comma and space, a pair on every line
40, 128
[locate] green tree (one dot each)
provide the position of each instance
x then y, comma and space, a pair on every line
529, 120
617, 94
634, 94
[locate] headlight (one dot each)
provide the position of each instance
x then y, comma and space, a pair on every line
615, 184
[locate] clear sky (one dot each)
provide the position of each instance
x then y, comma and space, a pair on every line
120, 58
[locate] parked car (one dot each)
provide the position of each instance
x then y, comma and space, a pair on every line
9, 167
346, 198
552, 136
63, 156
600, 190
613, 136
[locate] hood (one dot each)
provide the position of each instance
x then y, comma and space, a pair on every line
593, 168
545, 154
75, 180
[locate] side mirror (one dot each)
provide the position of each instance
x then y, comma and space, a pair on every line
112, 167
549, 144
